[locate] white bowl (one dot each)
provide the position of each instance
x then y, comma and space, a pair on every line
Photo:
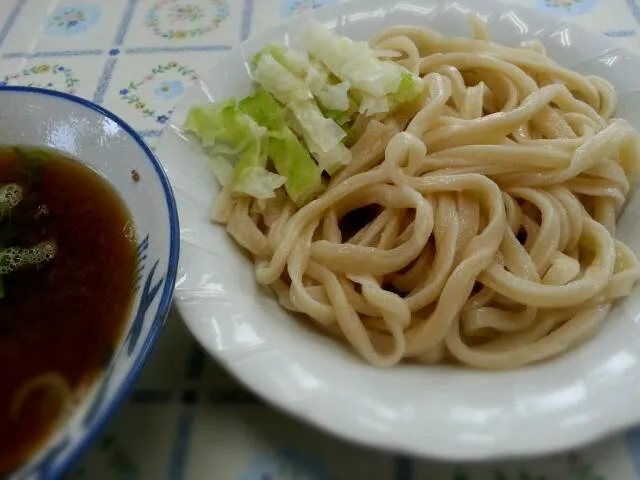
87, 132
434, 411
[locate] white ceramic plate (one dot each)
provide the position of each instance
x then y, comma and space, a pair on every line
438, 411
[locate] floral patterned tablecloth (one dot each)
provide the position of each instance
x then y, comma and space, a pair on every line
186, 418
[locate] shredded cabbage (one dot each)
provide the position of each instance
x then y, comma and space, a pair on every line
236, 148
279, 81
382, 84
290, 158
301, 115
325, 141
322, 135
314, 75
326, 133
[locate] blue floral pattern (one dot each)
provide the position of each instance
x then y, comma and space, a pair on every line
296, 7
169, 90
174, 19
69, 20
285, 465
160, 82
566, 7
43, 75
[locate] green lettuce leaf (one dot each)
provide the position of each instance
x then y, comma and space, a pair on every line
290, 158
382, 84
235, 143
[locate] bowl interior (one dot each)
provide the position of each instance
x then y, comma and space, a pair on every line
438, 411
78, 129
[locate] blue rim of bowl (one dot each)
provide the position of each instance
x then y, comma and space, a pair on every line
167, 294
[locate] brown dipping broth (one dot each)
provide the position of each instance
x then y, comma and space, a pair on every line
65, 315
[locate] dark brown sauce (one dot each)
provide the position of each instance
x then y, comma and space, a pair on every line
66, 315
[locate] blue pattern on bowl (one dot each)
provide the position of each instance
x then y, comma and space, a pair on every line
148, 295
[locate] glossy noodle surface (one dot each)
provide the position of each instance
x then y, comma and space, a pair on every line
474, 224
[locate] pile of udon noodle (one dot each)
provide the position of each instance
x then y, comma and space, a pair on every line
497, 193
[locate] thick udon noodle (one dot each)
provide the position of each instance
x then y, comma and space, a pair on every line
497, 194
55, 386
